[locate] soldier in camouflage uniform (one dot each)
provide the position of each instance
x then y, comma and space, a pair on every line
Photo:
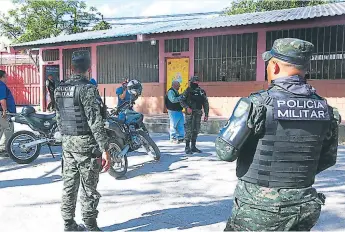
193, 99
281, 137
81, 124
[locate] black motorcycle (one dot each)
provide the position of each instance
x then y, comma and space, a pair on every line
128, 133
24, 146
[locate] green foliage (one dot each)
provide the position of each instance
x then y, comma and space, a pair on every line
103, 25
32, 20
249, 6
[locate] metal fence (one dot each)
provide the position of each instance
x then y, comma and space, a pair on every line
23, 78
226, 57
131, 60
328, 61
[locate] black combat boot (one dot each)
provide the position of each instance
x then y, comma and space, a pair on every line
187, 149
71, 225
194, 149
91, 224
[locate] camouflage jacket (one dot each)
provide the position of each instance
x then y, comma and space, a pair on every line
89, 96
186, 101
273, 197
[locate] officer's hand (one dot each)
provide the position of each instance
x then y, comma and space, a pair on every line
205, 119
106, 161
189, 110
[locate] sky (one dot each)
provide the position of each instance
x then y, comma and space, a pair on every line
131, 8
123, 8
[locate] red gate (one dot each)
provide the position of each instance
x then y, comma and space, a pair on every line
24, 83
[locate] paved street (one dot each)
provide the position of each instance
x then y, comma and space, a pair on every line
177, 193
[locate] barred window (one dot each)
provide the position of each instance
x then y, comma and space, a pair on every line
67, 61
226, 57
116, 62
176, 45
328, 60
50, 55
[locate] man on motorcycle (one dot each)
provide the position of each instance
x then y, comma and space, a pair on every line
122, 93
82, 133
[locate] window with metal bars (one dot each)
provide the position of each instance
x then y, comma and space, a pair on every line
116, 62
328, 60
226, 57
176, 45
50, 55
67, 61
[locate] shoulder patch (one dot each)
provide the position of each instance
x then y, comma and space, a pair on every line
300, 109
258, 97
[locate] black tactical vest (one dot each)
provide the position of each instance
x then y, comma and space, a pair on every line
172, 106
74, 121
197, 98
288, 153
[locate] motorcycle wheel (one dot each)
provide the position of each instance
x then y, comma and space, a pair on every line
150, 145
115, 172
11, 146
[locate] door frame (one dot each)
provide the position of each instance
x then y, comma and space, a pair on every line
165, 110
45, 105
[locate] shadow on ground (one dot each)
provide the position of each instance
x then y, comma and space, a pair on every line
6, 164
44, 179
180, 218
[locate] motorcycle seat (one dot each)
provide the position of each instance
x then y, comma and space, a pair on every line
43, 116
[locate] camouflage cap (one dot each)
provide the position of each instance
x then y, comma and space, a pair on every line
291, 50
194, 79
81, 56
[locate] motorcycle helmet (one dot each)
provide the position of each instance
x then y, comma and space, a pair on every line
28, 110
135, 88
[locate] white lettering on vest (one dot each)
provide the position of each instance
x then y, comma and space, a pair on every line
281, 114
291, 103
281, 102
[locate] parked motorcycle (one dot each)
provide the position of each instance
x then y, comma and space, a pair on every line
24, 146
129, 133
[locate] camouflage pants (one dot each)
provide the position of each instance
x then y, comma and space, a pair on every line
80, 169
300, 217
192, 125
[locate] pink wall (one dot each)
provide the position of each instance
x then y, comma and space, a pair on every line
94, 61
260, 63
261, 29
213, 88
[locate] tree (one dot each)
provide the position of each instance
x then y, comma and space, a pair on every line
81, 17
249, 6
34, 20
102, 25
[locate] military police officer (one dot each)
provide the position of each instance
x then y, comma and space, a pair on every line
81, 124
193, 99
282, 138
